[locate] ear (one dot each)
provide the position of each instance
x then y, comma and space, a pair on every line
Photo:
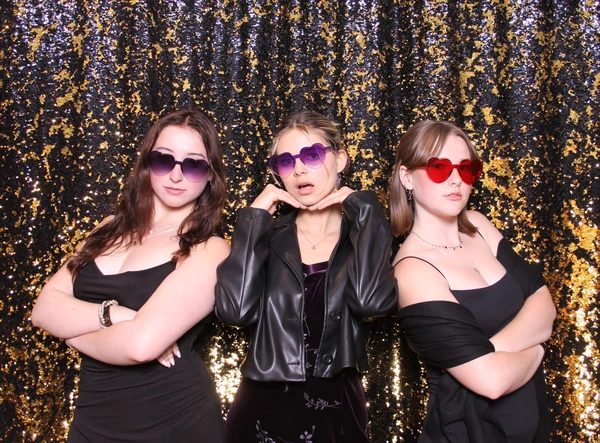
341, 159
405, 177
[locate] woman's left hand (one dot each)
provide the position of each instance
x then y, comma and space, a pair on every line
167, 359
336, 197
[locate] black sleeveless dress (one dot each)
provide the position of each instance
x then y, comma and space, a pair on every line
319, 410
148, 402
493, 307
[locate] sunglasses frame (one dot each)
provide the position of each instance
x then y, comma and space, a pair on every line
183, 164
470, 176
304, 152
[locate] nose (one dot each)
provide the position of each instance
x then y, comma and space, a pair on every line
176, 174
455, 178
299, 167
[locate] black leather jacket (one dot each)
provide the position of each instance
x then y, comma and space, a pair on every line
261, 285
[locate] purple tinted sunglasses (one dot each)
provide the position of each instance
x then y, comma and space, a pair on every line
312, 156
193, 169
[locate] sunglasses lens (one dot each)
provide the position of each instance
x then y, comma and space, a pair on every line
313, 156
470, 170
438, 170
194, 170
476, 169
282, 165
286, 164
161, 164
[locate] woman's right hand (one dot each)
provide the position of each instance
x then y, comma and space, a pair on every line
271, 196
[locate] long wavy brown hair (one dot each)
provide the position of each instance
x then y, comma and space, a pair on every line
135, 209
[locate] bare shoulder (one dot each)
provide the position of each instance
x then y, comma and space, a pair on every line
477, 218
215, 249
203, 260
408, 248
486, 228
419, 281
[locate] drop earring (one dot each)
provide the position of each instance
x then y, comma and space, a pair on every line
409, 194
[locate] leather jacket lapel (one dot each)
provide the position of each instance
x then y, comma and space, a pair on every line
285, 244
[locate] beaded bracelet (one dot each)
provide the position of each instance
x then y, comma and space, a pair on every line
104, 312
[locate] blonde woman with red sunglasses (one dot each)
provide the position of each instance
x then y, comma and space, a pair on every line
133, 297
307, 284
473, 311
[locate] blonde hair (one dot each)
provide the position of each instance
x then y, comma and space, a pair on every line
307, 121
421, 142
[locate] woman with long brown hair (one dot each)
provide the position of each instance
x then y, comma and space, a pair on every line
133, 297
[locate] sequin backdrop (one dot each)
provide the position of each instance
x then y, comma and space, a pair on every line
80, 82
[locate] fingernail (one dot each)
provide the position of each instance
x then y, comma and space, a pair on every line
178, 354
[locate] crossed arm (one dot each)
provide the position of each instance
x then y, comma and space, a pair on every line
533, 324
518, 353
60, 314
184, 298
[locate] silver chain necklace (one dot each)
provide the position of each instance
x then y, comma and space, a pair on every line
454, 248
159, 230
314, 245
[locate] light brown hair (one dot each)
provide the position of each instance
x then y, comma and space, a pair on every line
307, 121
421, 142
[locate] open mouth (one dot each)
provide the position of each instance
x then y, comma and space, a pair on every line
304, 188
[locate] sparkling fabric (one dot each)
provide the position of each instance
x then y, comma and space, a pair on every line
81, 81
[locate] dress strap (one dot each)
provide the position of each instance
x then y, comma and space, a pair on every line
419, 258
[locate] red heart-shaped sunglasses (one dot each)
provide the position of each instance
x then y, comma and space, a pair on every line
439, 169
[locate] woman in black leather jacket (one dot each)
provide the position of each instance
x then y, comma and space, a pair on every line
308, 284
